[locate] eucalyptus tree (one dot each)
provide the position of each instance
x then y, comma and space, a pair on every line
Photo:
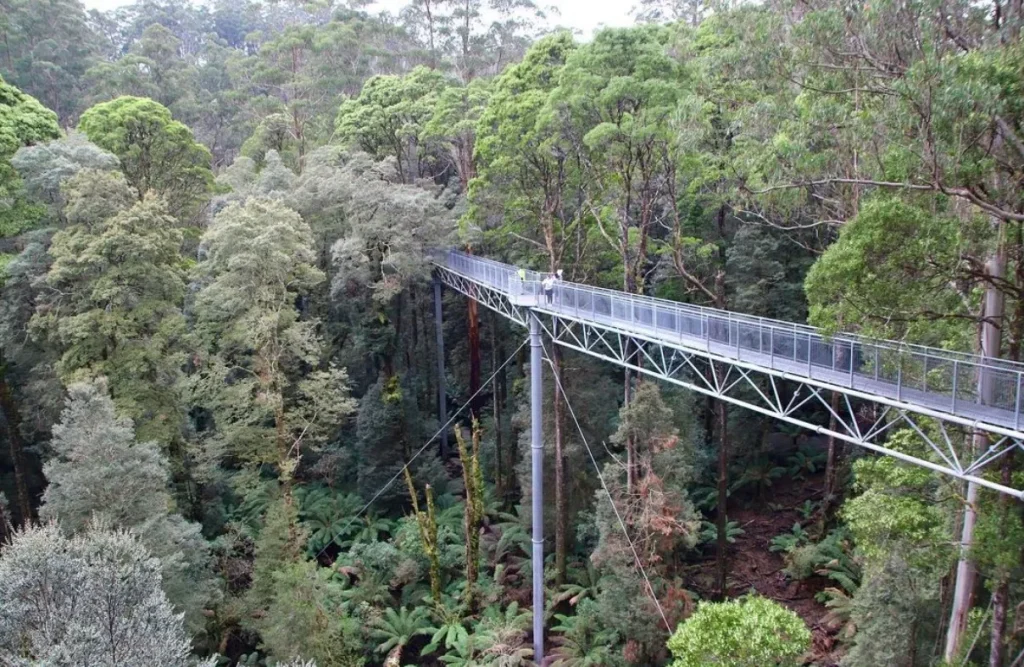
264, 373
389, 116
94, 598
114, 304
525, 180
99, 472
614, 98
611, 109
23, 122
475, 38
941, 101
300, 75
47, 46
158, 154
46, 168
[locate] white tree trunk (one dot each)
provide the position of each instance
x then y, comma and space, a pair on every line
991, 332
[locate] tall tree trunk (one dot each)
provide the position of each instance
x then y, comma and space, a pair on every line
630, 286
498, 390
1001, 593
561, 504
414, 308
832, 461
10, 422
5, 527
723, 496
966, 574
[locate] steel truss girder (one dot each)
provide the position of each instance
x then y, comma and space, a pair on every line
747, 387
761, 390
491, 298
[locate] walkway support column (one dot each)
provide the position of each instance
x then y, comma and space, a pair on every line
537, 487
442, 398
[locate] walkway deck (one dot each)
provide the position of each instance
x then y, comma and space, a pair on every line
937, 380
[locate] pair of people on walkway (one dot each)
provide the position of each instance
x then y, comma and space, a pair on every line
549, 284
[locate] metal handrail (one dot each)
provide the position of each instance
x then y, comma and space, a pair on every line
943, 379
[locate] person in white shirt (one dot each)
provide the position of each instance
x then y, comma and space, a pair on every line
549, 287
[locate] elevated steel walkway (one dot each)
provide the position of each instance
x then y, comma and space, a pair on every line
774, 367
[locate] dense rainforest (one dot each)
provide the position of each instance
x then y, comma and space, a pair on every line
219, 380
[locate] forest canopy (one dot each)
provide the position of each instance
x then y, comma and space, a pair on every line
235, 432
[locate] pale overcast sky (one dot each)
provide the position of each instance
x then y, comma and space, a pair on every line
584, 15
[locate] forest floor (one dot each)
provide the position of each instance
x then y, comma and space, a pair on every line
754, 566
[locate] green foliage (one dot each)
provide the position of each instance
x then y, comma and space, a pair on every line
23, 122
709, 532
582, 639
750, 632
806, 462
264, 377
788, 542
389, 117
897, 614
391, 226
48, 46
759, 474
327, 516
808, 509
893, 262
710, 161
158, 154
113, 307
832, 558
93, 598
518, 152
306, 615
895, 510
583, 585
99, 471
903, 541
449, 633
46, 168
395, 629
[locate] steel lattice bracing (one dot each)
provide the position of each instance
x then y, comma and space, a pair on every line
775, 368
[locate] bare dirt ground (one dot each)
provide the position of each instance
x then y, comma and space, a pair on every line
754, 567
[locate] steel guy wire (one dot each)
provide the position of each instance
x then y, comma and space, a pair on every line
422, 449
604, 485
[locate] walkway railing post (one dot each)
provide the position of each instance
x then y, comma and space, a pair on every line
851, 364
809, 355
442, 399
737, 339
956, 372
537, 484
1016, 412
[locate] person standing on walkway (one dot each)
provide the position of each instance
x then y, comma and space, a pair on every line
549, 287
